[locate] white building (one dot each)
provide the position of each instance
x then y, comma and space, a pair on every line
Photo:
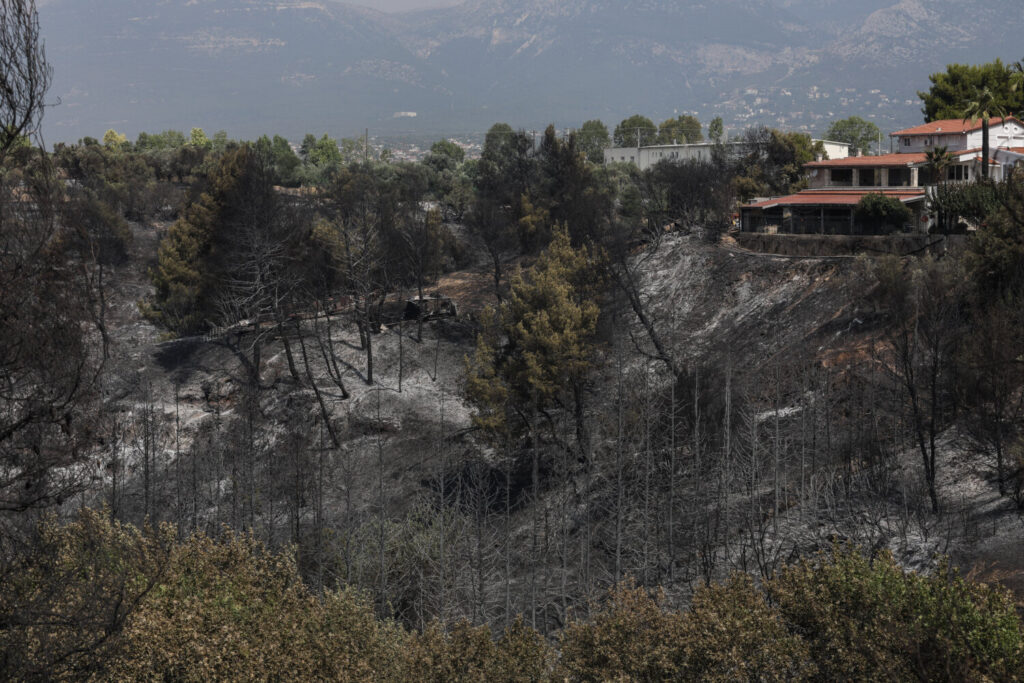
835, 186
957, 135
646, 157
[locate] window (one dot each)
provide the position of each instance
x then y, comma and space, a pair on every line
958, 173
899, 177
906, 142
841, 176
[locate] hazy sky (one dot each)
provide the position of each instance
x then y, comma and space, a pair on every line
402, 5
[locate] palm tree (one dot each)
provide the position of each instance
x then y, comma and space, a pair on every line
1017, 77
984, 106
937, 160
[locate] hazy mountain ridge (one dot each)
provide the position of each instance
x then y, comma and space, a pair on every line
294, 65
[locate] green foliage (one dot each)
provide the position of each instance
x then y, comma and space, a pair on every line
951, 89
696, 194
861, 616
323, 152
506, 165
110, 185
626, 132
937, 160
774, 163
99, 228
1017, 76
97, 600
449, 183
448, 150
219, 143
61, 604
201, 261
285, 162
114, 140
881, 214
633, 636
681, 130
539, 342
593, 139
838, 616
730, 633
197, 138
983, 105
861, 134
716, 129
570, 191
229, 608
503, 177
995, 257
971, 202
468, 654
184, 283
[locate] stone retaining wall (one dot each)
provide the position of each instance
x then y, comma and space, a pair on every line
847, 245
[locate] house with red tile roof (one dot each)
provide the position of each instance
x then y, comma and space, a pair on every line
836, 186
957, 135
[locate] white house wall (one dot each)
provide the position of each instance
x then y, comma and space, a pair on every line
1002, 135
646, 157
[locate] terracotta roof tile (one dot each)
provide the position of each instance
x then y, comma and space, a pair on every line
833, 197
952, 126
894, 160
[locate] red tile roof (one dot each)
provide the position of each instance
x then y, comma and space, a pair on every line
882, 160
832, 197
952, 126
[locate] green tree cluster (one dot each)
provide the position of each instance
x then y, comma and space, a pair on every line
959, 84
593, 139
320, 152
635, 131
716, 129
971, 202
234, 232
860, 134
881, 214
536, 348
684, 129
773, 162
995, 254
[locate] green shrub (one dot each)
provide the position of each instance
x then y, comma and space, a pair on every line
632, 637
880, 214
731, 633
863, 618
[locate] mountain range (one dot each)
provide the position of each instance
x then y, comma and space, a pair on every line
297, 66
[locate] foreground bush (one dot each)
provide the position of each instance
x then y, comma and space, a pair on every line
229, 609
103, 601
863, 616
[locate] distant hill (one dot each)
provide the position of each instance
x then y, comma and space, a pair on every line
292, 66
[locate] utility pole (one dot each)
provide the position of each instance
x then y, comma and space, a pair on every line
366, 145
